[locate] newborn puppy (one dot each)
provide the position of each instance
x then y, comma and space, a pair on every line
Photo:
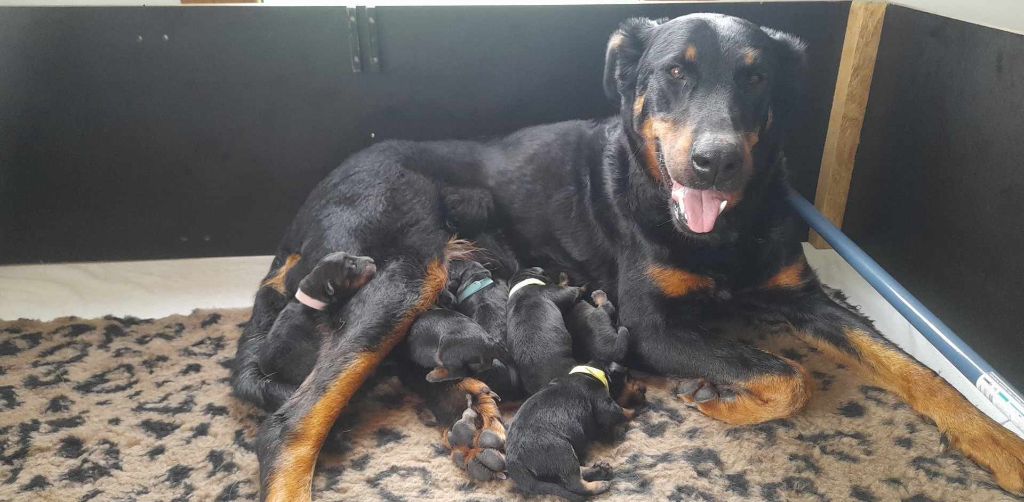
554, 428
292, 338
463, 334
484, 299
592, 328
538, 342
452, 344
478, 295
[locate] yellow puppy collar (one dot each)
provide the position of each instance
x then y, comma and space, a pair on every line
594, 372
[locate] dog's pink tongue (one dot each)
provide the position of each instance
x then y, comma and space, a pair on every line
701, 207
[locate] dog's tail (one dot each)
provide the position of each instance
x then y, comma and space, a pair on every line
529, 484
460, 249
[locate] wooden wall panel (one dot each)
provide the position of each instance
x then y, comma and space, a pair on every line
938, 192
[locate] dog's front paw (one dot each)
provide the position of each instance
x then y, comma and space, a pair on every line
995, 448
694, 391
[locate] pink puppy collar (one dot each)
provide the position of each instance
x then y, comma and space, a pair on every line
309, 301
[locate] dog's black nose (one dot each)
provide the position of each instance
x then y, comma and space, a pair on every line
715, 158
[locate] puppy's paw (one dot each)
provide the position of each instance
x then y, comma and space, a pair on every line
596, 487
426, 417
633, 395
563, 279
599, 471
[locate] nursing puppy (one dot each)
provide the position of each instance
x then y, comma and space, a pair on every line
554, 428
484, 298
292, 338
451, 343
592, 328
464, 335
479, 296
538, 342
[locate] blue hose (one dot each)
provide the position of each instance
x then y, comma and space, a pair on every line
934, 330
999, 392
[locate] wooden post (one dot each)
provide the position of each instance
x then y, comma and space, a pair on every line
853, 84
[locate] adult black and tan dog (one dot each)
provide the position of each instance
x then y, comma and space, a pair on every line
675, 207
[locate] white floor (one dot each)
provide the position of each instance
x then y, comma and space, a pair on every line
161, 288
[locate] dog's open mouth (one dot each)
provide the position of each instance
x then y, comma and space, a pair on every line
699, 209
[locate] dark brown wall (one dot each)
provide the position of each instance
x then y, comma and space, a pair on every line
205, 144
938, 189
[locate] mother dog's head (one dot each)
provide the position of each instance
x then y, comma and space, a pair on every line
701, 96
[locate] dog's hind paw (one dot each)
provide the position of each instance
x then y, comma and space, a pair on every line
485, 464
478, 438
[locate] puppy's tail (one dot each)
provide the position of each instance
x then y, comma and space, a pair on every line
528, 483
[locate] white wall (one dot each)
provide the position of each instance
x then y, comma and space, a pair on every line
1003, 14
1006, 15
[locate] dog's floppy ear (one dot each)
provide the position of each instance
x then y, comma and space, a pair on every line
621, 57
789, 83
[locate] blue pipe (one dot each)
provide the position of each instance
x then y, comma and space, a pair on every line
934, 330
962, 356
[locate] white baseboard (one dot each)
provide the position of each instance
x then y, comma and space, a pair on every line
155, 288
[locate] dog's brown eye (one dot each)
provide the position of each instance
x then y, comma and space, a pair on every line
677, 72
755, 79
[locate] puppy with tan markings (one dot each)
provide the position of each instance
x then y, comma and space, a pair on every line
293, 336
552, 431
463, 335
538, 342
592, 327
454, 345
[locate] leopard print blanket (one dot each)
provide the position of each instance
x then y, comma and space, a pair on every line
140, 409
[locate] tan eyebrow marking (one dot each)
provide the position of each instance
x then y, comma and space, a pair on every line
691, 53
750, 55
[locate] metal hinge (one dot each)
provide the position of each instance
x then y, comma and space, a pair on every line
364, 49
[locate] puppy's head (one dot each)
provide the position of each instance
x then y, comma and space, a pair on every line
529, 273
338, 275
703, 97
462, 273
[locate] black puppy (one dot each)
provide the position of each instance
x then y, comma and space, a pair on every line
293, 336
479, 295
538, 342
592, 328
463, 336
452, 344
484, 298
554, 428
